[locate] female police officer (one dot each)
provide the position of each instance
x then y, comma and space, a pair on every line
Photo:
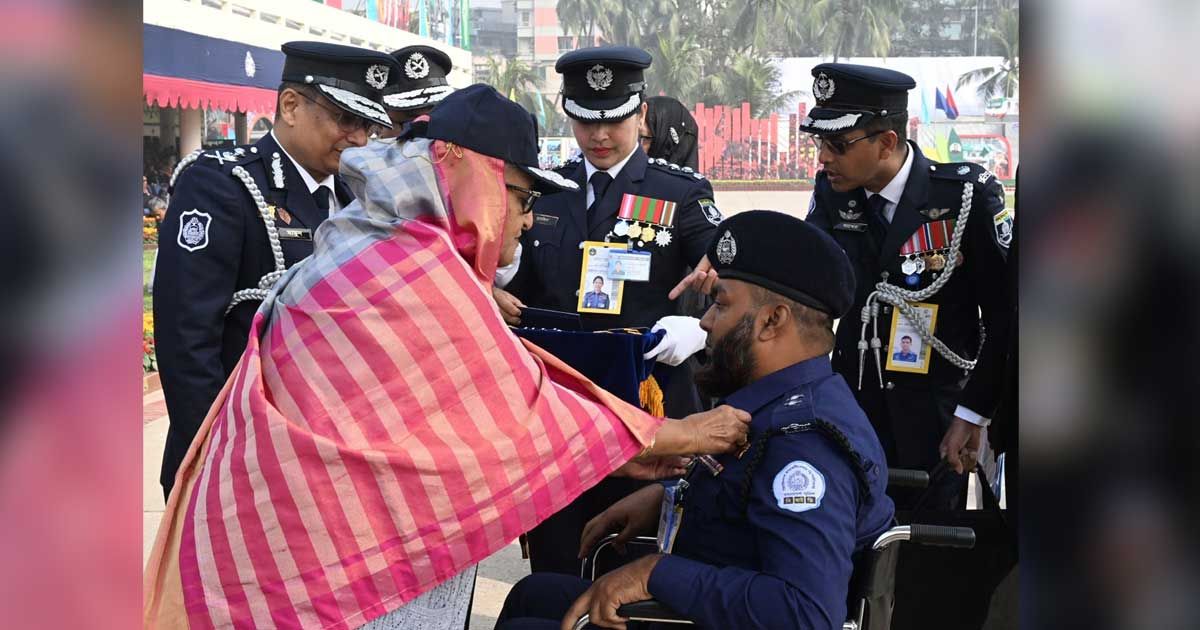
663, 214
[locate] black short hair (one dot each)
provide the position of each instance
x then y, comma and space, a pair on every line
895, 122
815, 326
600, 278
302, 88
906, 337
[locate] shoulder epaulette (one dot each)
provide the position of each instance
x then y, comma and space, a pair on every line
684, 171
961, 171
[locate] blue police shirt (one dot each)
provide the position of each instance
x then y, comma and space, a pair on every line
777, 553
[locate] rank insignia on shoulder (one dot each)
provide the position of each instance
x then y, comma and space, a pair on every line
799, 487
847, 215
935, 213
193, 230
709, 207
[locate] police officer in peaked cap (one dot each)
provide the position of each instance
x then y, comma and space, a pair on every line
604, 95
926, 239
239, 218
418, 85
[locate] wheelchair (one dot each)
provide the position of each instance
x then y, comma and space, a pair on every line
870, 596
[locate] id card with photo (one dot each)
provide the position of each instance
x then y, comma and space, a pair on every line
632, 265
599, 292
906, 350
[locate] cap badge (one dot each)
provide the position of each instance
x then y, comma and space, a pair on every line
726, 248
377, 76
599, 78
823, 87
674, 135
417, 66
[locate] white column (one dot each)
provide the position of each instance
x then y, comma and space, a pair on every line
240, 131
191, 123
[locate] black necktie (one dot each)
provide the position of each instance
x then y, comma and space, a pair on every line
600, 181
877, 221
321, 196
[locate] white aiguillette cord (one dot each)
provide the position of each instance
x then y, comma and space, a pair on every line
901, 298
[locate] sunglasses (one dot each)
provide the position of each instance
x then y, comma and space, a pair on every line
347, 123
531, 196
839, 147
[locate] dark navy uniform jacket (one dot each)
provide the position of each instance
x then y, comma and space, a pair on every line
552, 251
920, 406
768, 542
213, 243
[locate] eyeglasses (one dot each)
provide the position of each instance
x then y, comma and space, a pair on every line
531, 196
347, 123
839, 147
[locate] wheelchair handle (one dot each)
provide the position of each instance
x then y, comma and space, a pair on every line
937, 535
943, 536
907, 478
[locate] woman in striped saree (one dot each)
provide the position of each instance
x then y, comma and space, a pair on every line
384, 430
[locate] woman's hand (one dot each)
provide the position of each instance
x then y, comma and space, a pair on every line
510, 306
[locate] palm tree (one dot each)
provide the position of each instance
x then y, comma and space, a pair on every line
1004, 78
678, 61
754, 79
518, 81
855, 27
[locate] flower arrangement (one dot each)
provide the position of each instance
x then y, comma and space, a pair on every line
149, 360
149, 231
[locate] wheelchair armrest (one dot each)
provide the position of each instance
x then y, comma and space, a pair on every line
588, 566
651, 610
935, 535
907, 478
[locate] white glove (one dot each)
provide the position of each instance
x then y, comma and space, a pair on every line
683, 339
505, 274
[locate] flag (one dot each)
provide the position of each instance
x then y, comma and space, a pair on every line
423, 10
373, 10
925, 115
951, 108
939, 101
954, 146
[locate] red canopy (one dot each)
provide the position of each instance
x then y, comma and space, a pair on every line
176, 92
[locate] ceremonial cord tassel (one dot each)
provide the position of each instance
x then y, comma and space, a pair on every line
865, 316
875, 343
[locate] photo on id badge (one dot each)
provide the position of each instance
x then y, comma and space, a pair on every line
599, 292
906, 349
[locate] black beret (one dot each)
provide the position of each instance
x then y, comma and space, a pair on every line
603, 83
352, 78
849, 96
786, 255
420, 78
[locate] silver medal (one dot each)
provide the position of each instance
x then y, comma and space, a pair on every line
621, 228
909, 266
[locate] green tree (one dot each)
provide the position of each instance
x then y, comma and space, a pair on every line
678, 62
1004, 78
849, 28
754, 79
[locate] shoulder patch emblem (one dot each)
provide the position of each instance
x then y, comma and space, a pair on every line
1003, 222
799, 487
709, 207
985, 176
193, 230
